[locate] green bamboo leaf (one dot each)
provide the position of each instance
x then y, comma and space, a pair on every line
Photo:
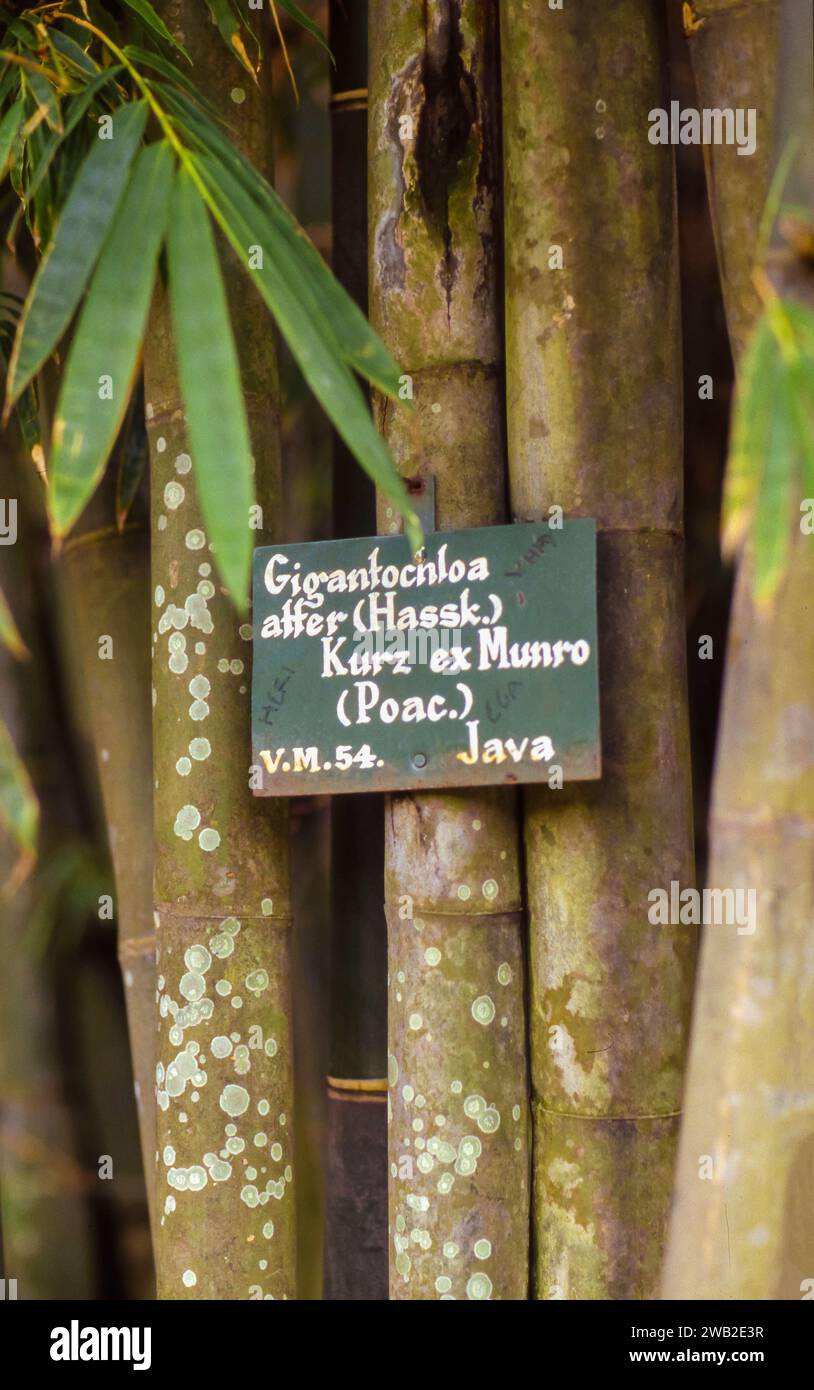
66, 266
133, 455
750, 434
230, 31
152, 21
306, 22
9, 126
361, 346
772, 525
802, 387
76, 111
142, 58
211, 387
19, 810
73, 52
47, 100
105, 350
26, 411
9, 632
286, 294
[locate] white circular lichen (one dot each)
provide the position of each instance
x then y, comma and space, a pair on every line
483, 1009
187, 820
234, 1100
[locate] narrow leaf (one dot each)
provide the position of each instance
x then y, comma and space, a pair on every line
66, 266
106, 346
360, 345
305, 21
47, 101
76, 111
211, 386
750, 433
133, 456
772, 527
9, 126
19, 811
313, 347
230, 32
152, 21
142, 58
9, 632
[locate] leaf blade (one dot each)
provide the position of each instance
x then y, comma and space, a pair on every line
211, 386
9, 127
155, 23
750, 427
62, 274
326, 374
108, 338
9, 631
19, 808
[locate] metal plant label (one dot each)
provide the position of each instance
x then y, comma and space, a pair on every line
476, 664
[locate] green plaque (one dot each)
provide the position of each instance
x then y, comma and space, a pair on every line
477, 664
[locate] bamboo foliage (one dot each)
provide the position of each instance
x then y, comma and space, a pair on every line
458, 1138
224, 1072
742, 1224
101, 239
593, 385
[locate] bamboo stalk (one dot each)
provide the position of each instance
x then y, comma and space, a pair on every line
225, 1090
108, 575
594, 426
356, 1215
733, 47
742, 1224
49, 1235
459, 1133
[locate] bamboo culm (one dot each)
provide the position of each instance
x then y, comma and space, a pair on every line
742, 1223
592, 352
226, 1220
458, 1107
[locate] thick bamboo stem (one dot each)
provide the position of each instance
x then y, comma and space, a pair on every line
45, 1191
459, 1131
742, 1224
109, 579
356, 1216
225, 1090
594, 426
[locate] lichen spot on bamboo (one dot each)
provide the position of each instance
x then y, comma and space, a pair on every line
187, 820
483, 1010
234, 1100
